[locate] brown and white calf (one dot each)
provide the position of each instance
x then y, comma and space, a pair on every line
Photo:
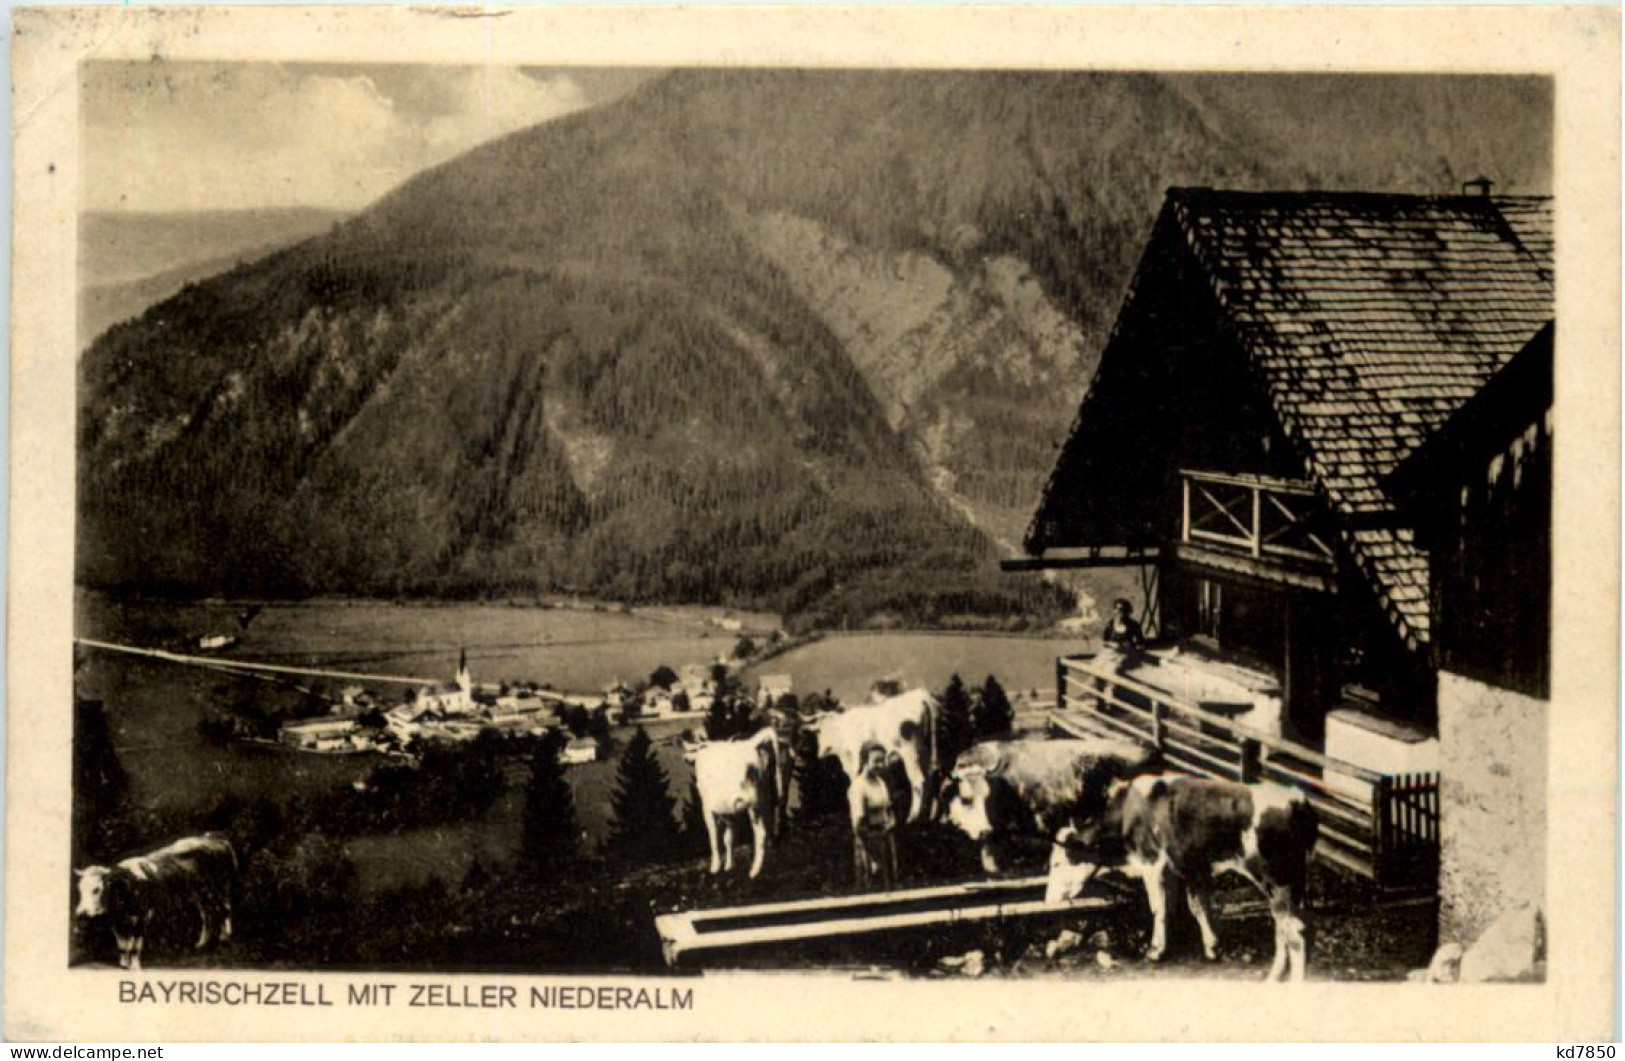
1169, 829
738, 778
198, 873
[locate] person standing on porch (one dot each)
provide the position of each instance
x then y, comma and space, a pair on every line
1123, 630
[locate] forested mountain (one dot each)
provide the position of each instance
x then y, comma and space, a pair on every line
799, 339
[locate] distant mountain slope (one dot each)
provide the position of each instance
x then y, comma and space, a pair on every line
128, 262
805, 339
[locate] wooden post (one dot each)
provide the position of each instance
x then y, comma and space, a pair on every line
1258, 522
1060, 683
1252, 766
1159, 712
1185, 518
1382, 839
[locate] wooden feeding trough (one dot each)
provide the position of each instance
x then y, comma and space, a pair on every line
697, 933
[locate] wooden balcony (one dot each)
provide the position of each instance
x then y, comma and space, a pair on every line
1256, 516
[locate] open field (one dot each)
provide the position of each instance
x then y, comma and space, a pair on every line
578, 648
846, 664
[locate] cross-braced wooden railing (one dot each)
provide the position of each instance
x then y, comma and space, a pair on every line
1380, 826
1255, 514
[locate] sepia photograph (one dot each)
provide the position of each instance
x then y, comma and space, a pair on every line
1090, 526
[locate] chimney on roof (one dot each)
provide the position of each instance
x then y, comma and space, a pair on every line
1478, 186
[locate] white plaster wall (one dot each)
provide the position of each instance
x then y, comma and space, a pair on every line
1492, 804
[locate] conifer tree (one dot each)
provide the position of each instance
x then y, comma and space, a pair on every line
954, 732
820, 783
642, 826
696, 841
719, 720
550, 828
99, 781
598, 730
994, 717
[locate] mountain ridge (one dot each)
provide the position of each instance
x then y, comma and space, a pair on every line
803, 339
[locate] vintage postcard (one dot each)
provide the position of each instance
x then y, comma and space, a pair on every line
811, 523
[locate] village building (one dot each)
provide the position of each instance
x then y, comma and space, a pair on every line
448, 698
322, 733
694, 677
579, 751
1277, 357
518, 705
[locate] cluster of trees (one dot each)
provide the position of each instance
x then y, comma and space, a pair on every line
643, 823
971, 715
580, 722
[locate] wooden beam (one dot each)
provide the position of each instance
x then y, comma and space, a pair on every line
1261, 569
697, 932
1299, 487
1074, 558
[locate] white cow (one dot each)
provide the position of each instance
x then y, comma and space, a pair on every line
905, 726
737, 777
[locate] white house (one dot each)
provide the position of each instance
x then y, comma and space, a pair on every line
319, 733
579, 751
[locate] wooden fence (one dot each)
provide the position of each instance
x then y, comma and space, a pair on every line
1382, 827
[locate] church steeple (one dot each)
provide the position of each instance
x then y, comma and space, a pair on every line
464, 682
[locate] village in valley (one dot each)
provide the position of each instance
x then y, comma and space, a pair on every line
458, 710
1277, 602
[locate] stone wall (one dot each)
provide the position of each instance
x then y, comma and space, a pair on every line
1493, 804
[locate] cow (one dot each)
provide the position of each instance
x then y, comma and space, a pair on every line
905, 726
1169, 827
197, 873
737, 777
1002, 792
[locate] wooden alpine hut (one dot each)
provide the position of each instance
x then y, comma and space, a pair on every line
1276, 358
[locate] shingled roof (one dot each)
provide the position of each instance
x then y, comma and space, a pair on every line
1370, 319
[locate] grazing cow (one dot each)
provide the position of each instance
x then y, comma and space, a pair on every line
1001, 792
1167, 827
737, 777
905, 726
198, 872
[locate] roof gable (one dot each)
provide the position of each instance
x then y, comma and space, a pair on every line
1369, 320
